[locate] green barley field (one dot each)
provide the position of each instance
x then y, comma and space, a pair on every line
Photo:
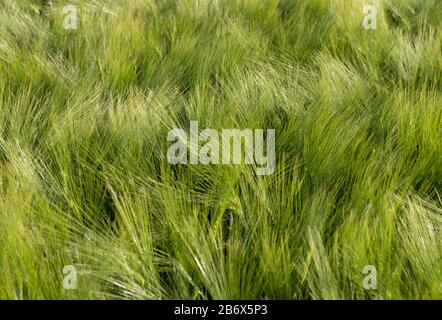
91, 208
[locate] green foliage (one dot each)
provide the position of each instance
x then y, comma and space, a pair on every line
84, 180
